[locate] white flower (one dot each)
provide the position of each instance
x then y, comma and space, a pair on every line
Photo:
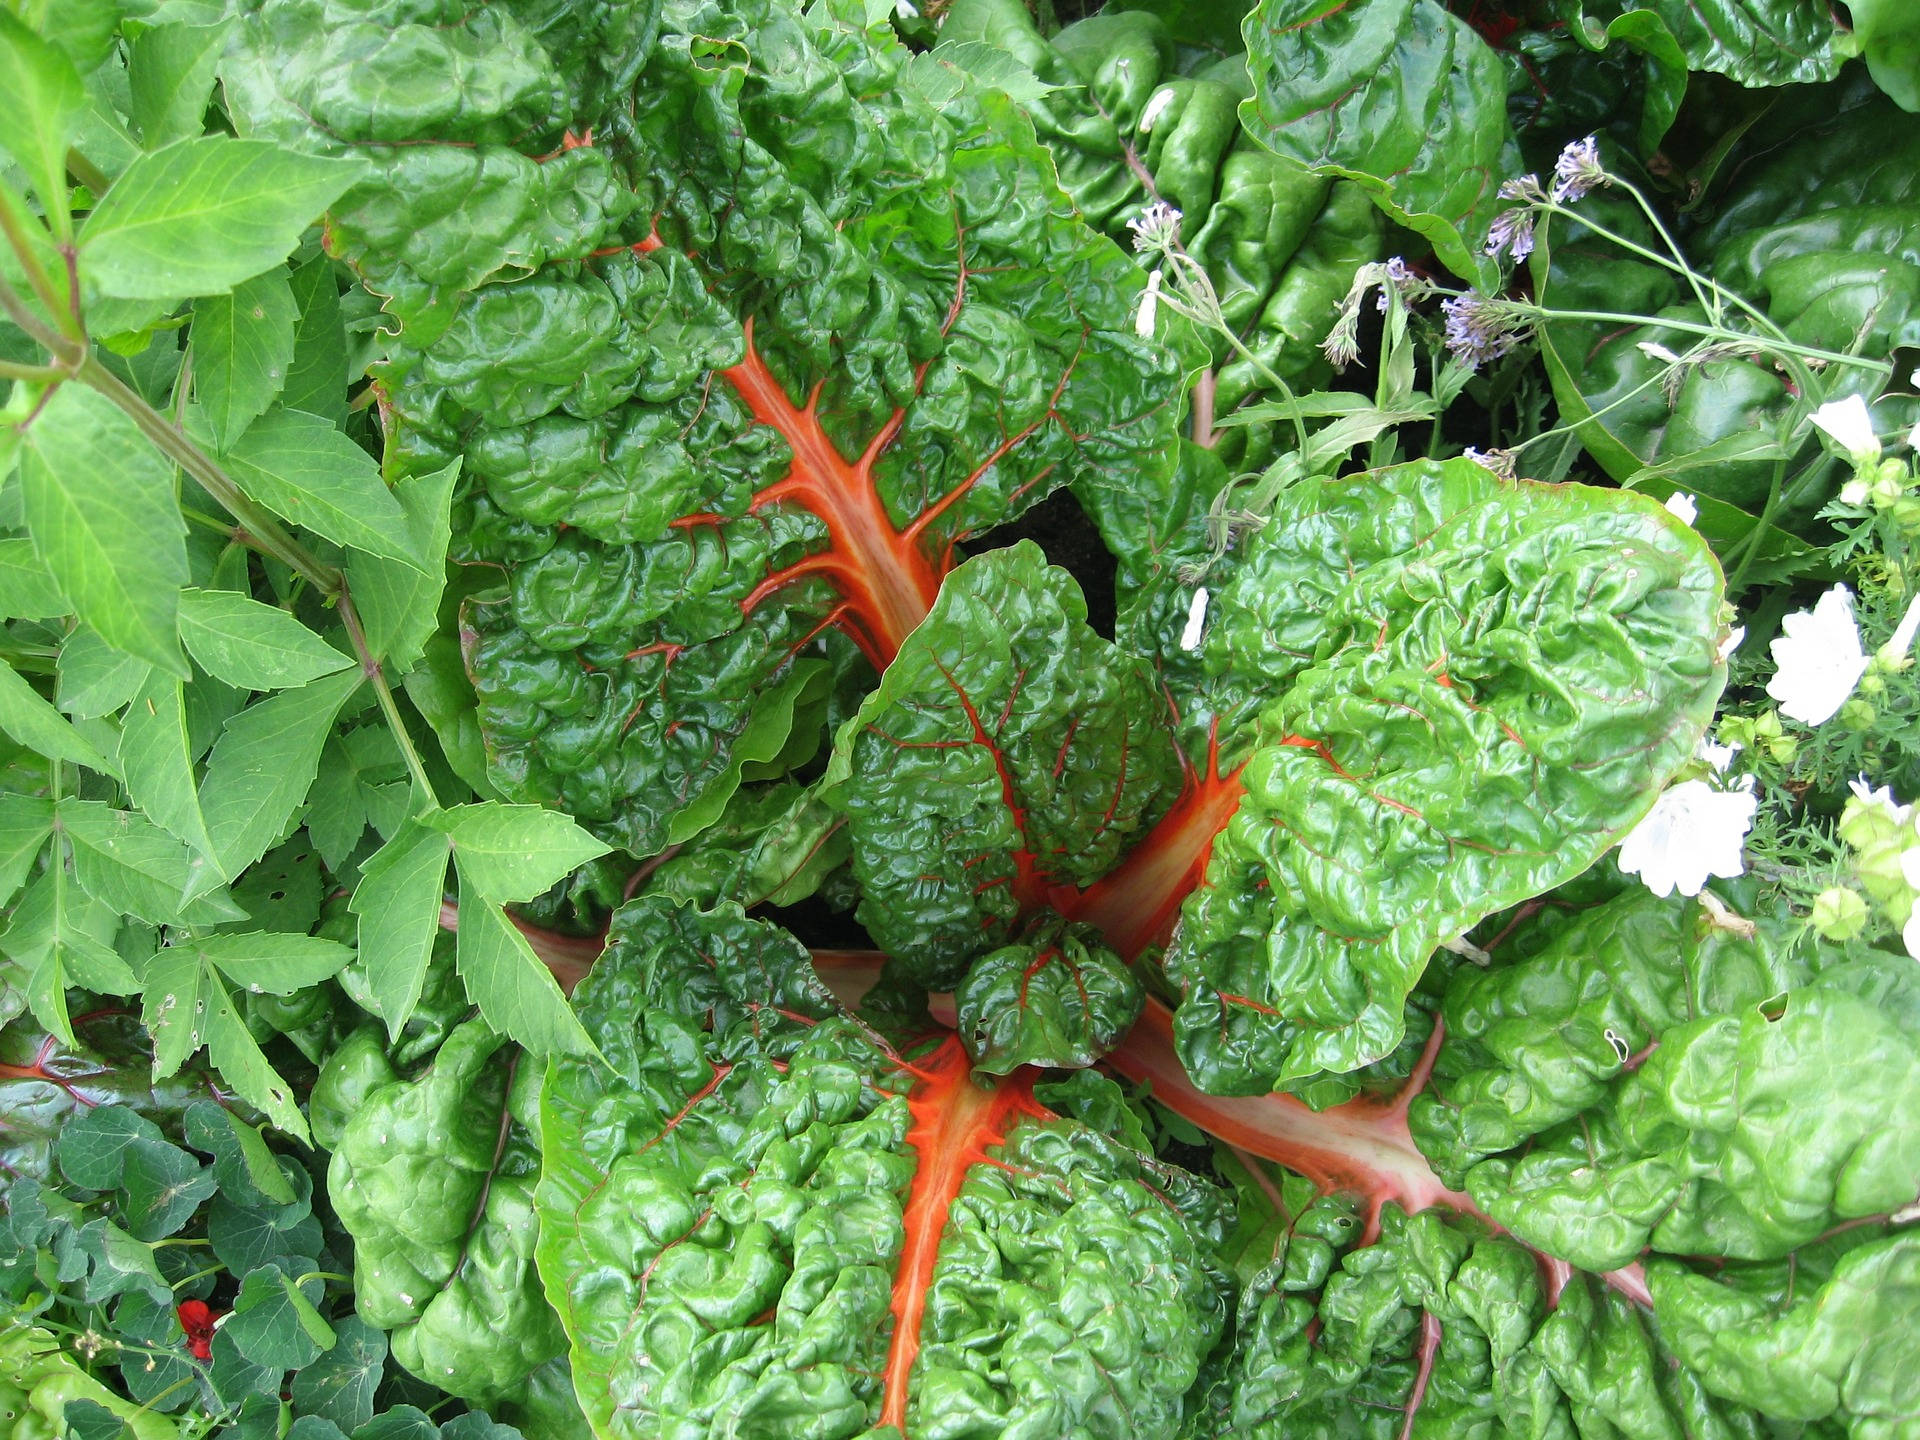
1156, 107
1881, 796
1717, 756
1149, 307
1654, 350
1156, 227
1692, 832
1848, 422
1914, 379
1196, 620
1732, 642
1819, 659
1680, 503
1913, 437
906, 9
1855, 492
1901, 641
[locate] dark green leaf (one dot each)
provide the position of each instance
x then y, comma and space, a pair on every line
161, 1186
239, 1060
1057, 998
25, 823
340, 1385
317, 379
199, 216
274, 1322
93, 1145
90, 1420
1400, 97
242, 1163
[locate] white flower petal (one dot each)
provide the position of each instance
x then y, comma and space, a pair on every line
1717, 756
1149, 307
1819, 659
1156, 107
1913, 437
1881, 796
1654, 350
1910, 866
1196, 620
1681, 504
1693, 832
1904, 632
1912, 936
1848, 422
1732, 643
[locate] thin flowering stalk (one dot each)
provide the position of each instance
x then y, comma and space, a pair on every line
1711, 332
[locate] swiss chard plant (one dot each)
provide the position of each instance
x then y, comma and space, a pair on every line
590, 858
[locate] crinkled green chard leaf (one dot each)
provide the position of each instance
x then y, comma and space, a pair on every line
1822, 232
760, 1219
1132, 120
1009, 757
433, 1178
1400, 97
1480, 685
745, 335
1740, 1109
1756, 42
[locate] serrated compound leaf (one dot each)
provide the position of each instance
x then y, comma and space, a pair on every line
399, 603
93, 678
64, 936
512, 852
515, 991
156, 762
240, 1061
317, 380
309, 472
45, 100
37, 725
667, 505
269, 962
250, 645
340, 1385
27, 591
402, 887
199, 216
1008, 751
171, 1008
170, 71
263, 765
1481, 684
25, 823
453, 1281
124, 859
274, 1322
242, 347
101, 512
1399, 96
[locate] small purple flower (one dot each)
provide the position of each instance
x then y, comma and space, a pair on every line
1526, 187
1511, 228
1578, 170
1478, 329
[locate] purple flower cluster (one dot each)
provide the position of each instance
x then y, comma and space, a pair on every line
1479, 329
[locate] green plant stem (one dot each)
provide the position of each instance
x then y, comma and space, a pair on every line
1760, 526
87, 173
13, 225
11, 371
350, 617
1710, 332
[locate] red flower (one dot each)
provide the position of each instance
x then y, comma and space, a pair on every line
196, 1318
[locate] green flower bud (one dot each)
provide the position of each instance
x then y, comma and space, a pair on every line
1858, 715
1839, 913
